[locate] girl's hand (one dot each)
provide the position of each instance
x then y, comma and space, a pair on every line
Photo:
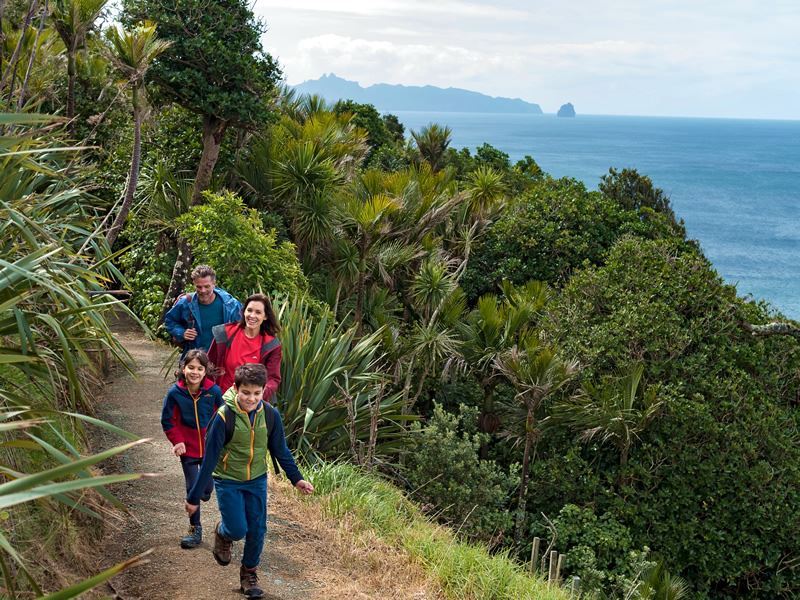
179, 449
304, 486
190, 508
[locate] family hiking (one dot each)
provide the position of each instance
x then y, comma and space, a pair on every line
219, 418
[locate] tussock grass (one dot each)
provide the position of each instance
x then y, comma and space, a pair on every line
465, 571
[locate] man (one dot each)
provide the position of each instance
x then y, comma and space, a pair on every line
190, 321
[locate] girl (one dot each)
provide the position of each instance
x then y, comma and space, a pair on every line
251, 340
188, 407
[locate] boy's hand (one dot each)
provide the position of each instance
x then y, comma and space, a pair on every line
190, 508
304, 486
179, 449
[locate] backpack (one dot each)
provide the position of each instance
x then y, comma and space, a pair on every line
230, 424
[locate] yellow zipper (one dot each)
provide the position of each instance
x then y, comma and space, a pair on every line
197, 423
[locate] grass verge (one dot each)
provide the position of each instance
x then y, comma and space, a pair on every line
464, 571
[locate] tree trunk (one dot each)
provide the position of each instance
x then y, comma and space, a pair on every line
11, 70
133, 175
72, 73
24, 89
180, 275
358, 315
213, 134
526, 460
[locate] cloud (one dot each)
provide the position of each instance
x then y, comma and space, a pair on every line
394, 8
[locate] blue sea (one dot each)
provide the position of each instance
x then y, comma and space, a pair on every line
736, 183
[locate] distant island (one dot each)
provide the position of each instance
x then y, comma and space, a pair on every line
566, 110
386, 97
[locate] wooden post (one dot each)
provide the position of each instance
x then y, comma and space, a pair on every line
551, 575
558, 567
535, 553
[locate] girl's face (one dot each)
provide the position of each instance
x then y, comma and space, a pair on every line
255, 314
194, 372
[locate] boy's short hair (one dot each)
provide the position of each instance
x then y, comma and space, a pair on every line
201, 271
250, 374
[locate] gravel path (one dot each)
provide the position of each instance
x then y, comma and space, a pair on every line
304, 556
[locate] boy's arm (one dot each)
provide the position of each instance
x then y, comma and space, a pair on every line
169, 420
279, 449
215, 441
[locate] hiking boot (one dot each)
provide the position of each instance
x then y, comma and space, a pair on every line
222, 547
249, 581
194, 539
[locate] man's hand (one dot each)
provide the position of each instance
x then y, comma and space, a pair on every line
190, 508
190, 334
179, 449
304, 486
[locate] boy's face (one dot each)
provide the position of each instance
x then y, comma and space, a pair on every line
249, 396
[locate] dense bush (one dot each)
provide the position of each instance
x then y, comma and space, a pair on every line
714, 484
228, 236
446, 475
551, 230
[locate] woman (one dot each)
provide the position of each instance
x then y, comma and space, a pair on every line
251, 340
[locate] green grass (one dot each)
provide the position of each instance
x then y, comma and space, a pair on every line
464, 571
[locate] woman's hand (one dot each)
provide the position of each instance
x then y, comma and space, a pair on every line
179, 449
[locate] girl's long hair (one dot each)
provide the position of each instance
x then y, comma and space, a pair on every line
270, 324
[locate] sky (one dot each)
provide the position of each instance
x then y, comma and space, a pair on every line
703, 58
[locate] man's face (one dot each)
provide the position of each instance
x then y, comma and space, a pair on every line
249, 396
204, 286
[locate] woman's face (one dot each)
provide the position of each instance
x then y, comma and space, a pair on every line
255, 314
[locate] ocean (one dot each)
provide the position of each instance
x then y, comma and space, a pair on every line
735, 182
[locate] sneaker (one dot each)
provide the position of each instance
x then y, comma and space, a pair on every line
249, 582
222, 547
194, 539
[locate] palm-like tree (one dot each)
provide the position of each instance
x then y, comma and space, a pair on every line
486, 190
133, 51
432, 142
73, 19
496, 325
613, 412
536, 371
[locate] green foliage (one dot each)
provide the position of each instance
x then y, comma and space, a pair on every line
216, 66
443, 469
717, 476
633, 191
548, 232
228, 236
599, 550
465, 571
332, 389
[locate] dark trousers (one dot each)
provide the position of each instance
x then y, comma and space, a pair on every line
191, 469
243, 507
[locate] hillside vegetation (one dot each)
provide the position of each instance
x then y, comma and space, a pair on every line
527, 358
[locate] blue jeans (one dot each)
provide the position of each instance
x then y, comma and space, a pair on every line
243, 507
191, 469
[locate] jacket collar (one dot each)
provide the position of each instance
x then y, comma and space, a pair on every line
205, 385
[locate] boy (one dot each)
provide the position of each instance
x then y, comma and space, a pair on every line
236, 454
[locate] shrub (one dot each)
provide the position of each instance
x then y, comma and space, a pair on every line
549, 231
714, 485
228, 236
446, 474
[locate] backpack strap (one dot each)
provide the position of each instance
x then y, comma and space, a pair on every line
230, 421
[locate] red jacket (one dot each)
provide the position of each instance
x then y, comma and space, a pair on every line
184, 419
270, 355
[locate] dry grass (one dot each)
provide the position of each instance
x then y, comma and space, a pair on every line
340, 558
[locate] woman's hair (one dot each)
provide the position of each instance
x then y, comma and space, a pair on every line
270, 324
198, 355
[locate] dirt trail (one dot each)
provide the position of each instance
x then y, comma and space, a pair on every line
304, 556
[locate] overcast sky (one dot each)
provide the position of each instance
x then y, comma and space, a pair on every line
718, 58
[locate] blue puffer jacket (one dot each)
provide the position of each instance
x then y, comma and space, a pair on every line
186, 314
